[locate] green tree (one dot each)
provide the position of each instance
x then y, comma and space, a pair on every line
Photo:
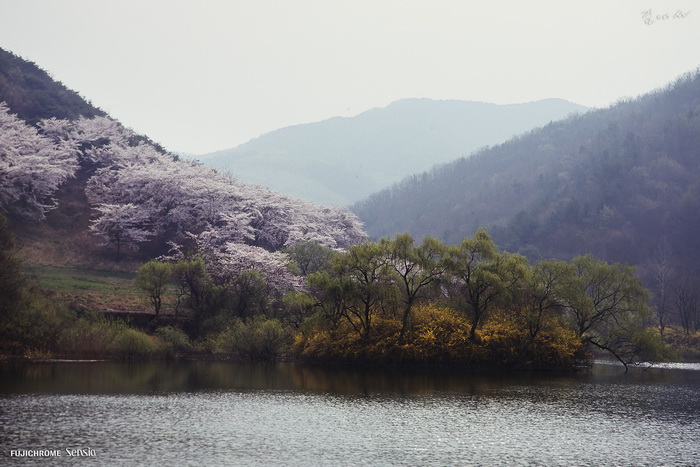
152, 278
297, 306
330, 293
539, 301
417, 267
609, 308
251, 294
310, 257
193, 280
480, 275
358, 284
11, 276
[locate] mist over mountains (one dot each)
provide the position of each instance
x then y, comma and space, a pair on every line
621, 183
344, 159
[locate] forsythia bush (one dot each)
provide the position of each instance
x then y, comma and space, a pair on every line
440, 336
500, 341
505, 343
557, 347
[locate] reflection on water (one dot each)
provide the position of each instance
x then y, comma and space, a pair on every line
165, 377
220, 413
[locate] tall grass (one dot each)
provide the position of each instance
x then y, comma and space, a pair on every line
101, 337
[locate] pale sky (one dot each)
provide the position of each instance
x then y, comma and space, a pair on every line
203, 75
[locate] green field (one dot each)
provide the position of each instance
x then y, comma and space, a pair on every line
76, 280
98, 290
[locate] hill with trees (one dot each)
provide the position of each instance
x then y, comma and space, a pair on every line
343, 159
224, 268
621, 183
131, 193
84, 190
33, 95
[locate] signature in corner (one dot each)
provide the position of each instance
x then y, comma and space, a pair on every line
649, 17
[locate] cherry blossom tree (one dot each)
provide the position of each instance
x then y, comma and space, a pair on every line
281, 221
141, 193
185, 197
121, 225
238, 258
32, 168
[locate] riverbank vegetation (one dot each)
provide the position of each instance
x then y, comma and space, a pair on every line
134, 252
388, 303
393, 301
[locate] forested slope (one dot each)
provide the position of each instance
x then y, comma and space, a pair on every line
32, 94
622, 183
56, 150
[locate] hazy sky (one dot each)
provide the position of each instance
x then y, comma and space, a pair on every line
197, 76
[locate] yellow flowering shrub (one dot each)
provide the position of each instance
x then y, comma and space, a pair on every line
440, 336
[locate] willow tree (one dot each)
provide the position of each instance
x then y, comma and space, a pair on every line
539, 305
609, 308
417, 267
480, 274
361, 276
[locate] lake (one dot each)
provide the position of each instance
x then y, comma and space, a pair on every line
220, 413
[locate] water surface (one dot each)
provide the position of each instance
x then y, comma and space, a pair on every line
217, 413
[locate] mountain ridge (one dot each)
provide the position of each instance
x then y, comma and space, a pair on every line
339, 160
621, 183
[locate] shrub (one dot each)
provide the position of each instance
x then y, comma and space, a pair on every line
500, 342
260, 339
556, 346
91, 336
35, 321
255, 339
504, 343
36, 354
329, 345
685, 346
441, 334
131, 344
174, 340
437, 336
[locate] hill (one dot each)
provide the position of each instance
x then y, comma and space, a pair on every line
33, 95
80, 187
343, 159
621, 183
220, 255
90, 201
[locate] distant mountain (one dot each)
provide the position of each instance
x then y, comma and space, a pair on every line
343, 159
622, 183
